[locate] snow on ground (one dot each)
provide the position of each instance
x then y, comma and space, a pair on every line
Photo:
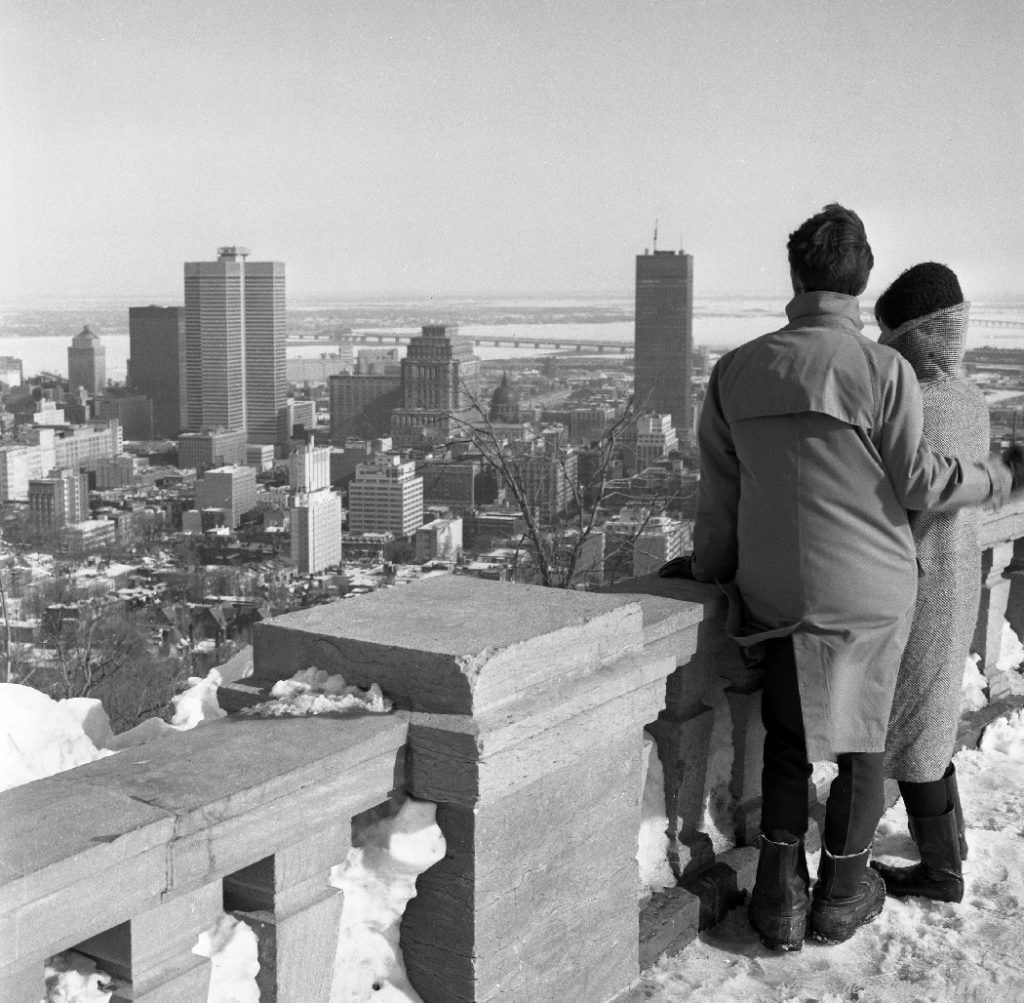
917, 951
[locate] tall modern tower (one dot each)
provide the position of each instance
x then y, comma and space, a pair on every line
156, 363
87, 363
235, 344
663, 339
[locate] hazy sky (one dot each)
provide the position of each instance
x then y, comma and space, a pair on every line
440, 146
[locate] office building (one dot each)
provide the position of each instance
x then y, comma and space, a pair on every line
58, 499
235, 344
440, 540
12, 371
216, 448
637, 543
134, 412
663, 339
232, 490
156, 363
385, 496
315, 531
440, 388
309, 468
87, 363
296, 419
362, 403
654, 439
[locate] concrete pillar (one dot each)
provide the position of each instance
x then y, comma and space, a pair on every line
24, 985
526, 729
162, 963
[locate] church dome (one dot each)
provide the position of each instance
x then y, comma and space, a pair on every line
504, 402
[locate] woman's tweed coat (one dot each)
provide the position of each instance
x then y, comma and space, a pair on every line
926, 704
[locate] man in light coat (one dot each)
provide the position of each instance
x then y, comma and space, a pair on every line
811, 455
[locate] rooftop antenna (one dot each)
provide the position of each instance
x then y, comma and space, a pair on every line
655, 235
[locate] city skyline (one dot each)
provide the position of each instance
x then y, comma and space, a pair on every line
444, 148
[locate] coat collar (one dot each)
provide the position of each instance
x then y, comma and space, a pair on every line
825, 304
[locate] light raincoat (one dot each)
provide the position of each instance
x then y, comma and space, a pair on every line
811, 455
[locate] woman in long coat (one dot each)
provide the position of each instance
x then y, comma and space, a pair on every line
924, 317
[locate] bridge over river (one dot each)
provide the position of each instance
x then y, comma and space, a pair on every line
542, 340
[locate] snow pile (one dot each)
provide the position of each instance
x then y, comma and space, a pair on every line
1011, 652
652, 854
193, 706
313, 691
231, 946
73, 978
1005, 736
972, 689
39, 736
377, 880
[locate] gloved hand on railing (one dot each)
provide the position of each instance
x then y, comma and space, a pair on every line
678, 567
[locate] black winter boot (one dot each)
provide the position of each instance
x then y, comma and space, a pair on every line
953, 797
939, 875
848, 895
778, 903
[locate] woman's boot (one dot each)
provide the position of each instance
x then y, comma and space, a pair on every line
848, 894
778, 903
939, 875
953, 798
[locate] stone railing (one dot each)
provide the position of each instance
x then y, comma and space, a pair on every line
520, 713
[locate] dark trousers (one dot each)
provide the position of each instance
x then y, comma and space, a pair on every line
856, 798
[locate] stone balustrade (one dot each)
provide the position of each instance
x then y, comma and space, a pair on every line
520, 712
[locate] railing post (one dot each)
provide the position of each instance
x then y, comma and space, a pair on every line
24, 985
995, 594
527, 711
163, 967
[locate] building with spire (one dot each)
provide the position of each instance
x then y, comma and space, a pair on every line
663, 338
87, 363
235, 342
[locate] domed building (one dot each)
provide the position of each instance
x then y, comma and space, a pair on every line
504, 403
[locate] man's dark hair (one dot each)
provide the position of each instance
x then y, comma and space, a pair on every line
920, 290
830, 252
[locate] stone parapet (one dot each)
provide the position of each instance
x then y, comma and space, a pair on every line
521, 714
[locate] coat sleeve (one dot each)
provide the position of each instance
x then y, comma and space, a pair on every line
718, 494
922, 478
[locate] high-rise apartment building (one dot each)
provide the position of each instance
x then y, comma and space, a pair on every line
87, 363
663, 338
315, 530
315, 510
235, 344
156, 363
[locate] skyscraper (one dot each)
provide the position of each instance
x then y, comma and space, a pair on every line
663, 339
234, 344
87, 363
440, 386
156, 363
